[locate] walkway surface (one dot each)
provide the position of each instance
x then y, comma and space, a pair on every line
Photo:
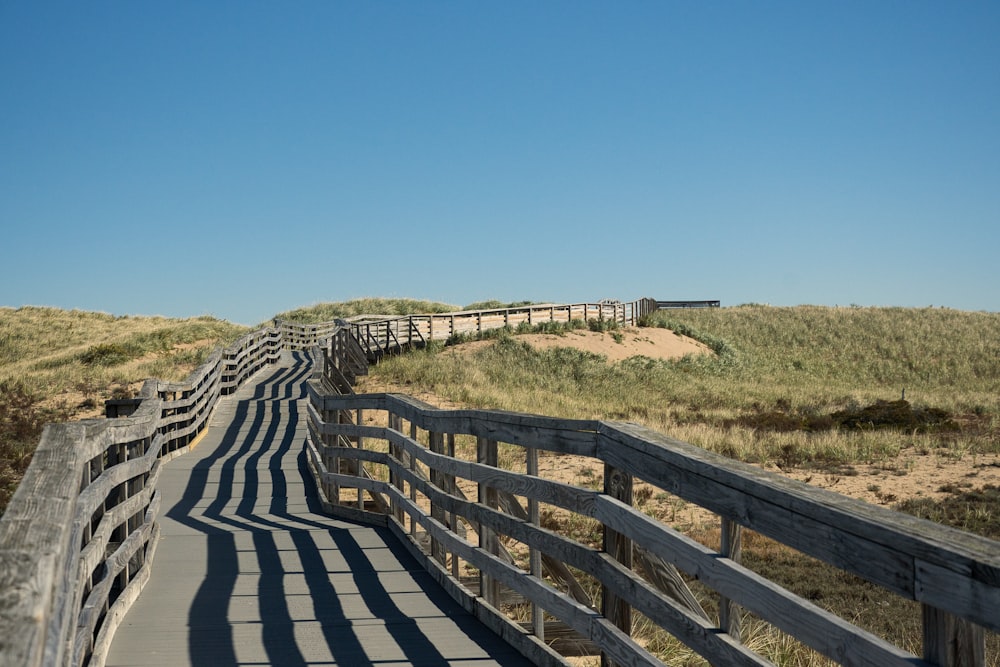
248, 572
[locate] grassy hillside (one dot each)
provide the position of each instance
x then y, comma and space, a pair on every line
58, 365
813, 391
803, 387
798, 374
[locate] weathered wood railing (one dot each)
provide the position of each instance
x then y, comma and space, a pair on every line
379, 336
712, 303
441, 474
77, 538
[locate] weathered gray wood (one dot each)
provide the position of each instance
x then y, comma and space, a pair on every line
951, 641
203, 522
730, 547
667, 579
690, 628
825, 632
486, 455
534, 555
617, 485
553, 566
49, 521
882, 546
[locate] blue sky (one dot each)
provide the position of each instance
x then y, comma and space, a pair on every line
243, 158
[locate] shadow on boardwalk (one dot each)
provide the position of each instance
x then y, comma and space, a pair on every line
248, 571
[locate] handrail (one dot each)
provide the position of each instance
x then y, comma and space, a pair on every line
688, 304
413, 460
387, 335
77, 538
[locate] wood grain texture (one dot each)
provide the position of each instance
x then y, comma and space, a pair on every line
72, 521
848, 533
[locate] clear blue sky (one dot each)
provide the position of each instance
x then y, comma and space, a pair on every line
243, 158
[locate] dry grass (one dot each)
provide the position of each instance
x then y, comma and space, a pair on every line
57, 365
791, 388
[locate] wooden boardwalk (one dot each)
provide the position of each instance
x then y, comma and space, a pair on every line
248, 572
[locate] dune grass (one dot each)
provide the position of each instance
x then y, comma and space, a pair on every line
327, 312
770, 394
792, 387
57, 365
781, 372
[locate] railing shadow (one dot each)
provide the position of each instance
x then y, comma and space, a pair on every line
262, 451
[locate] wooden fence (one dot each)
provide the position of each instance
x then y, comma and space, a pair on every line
462, 489
688, 304
78, 537
379, 336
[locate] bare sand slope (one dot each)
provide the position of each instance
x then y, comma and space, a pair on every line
616, 346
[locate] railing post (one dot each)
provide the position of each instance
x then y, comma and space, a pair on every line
950, 641
452, 517
618, 485
395, 424
413, 489
435, 442
357, 462
486, 454
731, 547
534, 555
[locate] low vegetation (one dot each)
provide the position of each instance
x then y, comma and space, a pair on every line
327, 312
57, 365
775, 385
827, 390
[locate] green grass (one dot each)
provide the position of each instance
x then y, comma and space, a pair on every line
813, 379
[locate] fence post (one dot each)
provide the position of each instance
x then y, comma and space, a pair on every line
395, 424
731, 547
358, 468
618, 485
950, 641
413, 489
489, 588
452, 517
435, 442
534, 555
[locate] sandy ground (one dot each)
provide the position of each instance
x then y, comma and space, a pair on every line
648, 342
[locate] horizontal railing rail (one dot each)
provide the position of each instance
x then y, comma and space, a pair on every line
687, 304
77, 538
389, 335
442, 475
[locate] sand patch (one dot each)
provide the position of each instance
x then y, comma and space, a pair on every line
618, 345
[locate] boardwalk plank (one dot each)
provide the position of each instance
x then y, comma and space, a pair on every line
247, 571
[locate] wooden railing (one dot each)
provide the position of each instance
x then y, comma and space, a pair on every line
462, 489
77, 538
688, 304
380, 335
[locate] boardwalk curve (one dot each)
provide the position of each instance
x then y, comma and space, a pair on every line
248, 572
